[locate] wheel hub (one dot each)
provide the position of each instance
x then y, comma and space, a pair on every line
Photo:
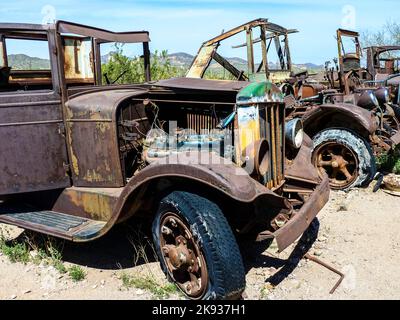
183, 257
339, 162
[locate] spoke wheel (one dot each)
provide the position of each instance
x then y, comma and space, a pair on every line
183, 257
339, 162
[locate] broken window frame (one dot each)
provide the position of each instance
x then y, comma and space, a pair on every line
268, 31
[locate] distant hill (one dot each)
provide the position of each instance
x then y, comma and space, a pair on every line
182, 59
24, 62
178, 59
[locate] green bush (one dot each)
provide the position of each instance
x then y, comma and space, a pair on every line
150, 284
125, 70
390, 162
16, 252
76, 273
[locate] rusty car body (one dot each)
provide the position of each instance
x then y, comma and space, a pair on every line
360, 105
79, 155
322, 106
383, 68
382, 61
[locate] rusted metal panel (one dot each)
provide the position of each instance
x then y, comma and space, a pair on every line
92, 203
301, 219
237, 30
50, 222
78, 59
250, 51
109, 36
364, 117
201, 84
374, 59
301, 167
211, 170
92, 133
32, 151
201, 62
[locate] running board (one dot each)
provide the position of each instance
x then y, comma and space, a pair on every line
50, 222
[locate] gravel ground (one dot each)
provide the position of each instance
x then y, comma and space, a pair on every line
357, 233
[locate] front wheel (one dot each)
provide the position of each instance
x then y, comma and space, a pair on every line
197, 249
346, 157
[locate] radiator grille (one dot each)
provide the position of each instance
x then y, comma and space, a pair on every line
272, 129
201, 123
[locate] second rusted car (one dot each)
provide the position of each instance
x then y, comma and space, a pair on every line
348, 128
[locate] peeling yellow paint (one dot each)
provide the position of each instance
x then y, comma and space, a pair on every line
75, 166
102, 127
96, 205
95, 115
74, 159
92, 176
107, 167
69, 112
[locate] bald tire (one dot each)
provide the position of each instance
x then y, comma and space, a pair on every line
360, 147
214, 236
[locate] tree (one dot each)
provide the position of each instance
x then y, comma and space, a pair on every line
121, 69
388, 35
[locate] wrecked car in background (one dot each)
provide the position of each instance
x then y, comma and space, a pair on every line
350, 85
383, 69
203, 160
347, 130
257, 32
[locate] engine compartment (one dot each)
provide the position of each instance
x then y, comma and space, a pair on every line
162, 124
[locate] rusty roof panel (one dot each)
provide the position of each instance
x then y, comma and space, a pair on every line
202, 84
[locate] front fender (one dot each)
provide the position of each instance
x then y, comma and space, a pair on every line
320, 115
207, 169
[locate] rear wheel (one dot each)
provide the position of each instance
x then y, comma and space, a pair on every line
345, 157
197, 249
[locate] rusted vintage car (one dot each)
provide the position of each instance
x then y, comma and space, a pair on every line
204, 160
347, 129
382, 61
353, 84
383, 69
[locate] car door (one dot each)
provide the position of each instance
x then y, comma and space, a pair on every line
33, 153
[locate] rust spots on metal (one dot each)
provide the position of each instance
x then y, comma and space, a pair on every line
97, 204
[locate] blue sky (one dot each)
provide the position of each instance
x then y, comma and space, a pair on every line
182, 25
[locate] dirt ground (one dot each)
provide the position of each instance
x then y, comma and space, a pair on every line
357, 233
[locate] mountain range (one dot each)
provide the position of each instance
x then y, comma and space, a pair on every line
24, 62
179, 59
183, 59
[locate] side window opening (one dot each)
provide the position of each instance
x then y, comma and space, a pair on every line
25, 65
121, 63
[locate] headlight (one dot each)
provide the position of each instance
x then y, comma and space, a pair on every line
294, 133
382, 94
368, 100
